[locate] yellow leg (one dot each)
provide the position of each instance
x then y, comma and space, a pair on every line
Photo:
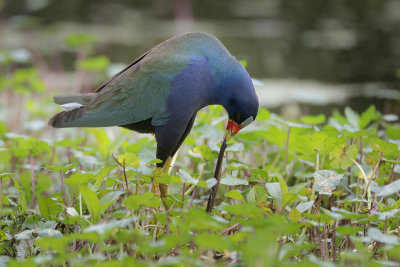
155, 187
164, 187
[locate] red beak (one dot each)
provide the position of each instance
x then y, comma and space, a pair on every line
233, 127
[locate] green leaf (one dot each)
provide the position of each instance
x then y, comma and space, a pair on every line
77, 40
63, 169
92, 202
323, 143
232, 181
94, 64
21, 196
245, 209
376, 234
186, 177
342, 156
284, 187
43, 183
251, 195
48, 208
314, 120
147, 199
78, 179
210, 241
109, 199
6, 175
390, 189
326, 181
102, 174
371, 114
294, 215
206, 152
36, 146
69, 142
274, 189
348, 230
3, 236
288, 198
129, 159
263, 114
235, 195
258, 175
389, 150
235, 147
102, 141
352, 117
276, 135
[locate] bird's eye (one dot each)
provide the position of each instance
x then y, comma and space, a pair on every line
232, 101
237, 115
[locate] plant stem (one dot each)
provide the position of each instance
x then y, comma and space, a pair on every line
80, 203
32, 177
126, 180
217, 175
361, 149
62, 188
334, 242
226, 231
321, 247
183, 195
1, 192
318, 203
138, 185
193, 195
287, 147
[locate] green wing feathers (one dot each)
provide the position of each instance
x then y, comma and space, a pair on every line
137, 93
77, 98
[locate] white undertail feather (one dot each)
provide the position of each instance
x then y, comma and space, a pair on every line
82, 99
71, 106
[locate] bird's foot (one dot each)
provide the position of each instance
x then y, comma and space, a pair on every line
161, 190
155, 186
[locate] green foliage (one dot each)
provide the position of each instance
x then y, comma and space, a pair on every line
77, 40
23, 81
343, 156
289, 192
91, 201
147, 199
314, 120
94, 64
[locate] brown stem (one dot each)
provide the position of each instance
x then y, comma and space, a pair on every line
361, 150
391, 174
126, 179
334, 242
321, 247
32, 177
1, 192
317, 204
167, 232
193, 195
227, 230
326, 230
29, 247
62, 188
287, 147
183, 195
217, 175
138, 184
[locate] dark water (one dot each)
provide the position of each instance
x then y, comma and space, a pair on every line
334, 41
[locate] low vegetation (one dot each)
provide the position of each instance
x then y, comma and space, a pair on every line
314, 192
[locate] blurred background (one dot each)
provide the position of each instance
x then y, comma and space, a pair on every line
305, 57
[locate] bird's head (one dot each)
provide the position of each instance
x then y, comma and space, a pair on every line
240, 101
